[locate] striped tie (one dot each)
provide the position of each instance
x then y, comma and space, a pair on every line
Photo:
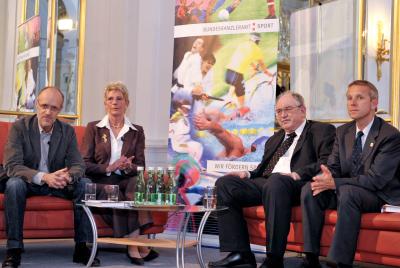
356, 154
279, 152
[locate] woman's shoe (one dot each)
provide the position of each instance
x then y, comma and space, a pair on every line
137, 261
151, 256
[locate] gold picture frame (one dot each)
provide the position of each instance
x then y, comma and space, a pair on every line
76, 116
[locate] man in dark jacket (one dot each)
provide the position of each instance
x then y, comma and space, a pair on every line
362, 174
41, 157
291, 157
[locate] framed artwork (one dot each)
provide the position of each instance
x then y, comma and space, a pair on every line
361, 44
49, 51
28, 36
322, 58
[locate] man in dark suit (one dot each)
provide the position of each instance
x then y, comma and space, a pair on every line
291, 157
41, 157
362, 174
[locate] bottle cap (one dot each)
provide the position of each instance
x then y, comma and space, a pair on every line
171, 168
140, 168
150, 168
160, 168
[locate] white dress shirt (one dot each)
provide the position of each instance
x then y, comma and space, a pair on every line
283, 165
116, 142
189, 73
365, 131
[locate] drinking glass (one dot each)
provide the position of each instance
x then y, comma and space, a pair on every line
90, 191
112, 192
210, 197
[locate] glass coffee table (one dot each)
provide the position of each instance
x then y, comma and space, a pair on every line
179, 244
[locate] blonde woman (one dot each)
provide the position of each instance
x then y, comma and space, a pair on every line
113, 148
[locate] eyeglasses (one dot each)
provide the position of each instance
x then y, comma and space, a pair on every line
46, 107
287, 109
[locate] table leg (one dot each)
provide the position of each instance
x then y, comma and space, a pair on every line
94, 231
200, 238
187, 216
180, 240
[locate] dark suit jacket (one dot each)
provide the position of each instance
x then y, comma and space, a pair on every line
22, 151
96, 149
312, 150
380, 160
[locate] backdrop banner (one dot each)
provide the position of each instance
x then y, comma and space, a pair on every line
27, 64
223, 89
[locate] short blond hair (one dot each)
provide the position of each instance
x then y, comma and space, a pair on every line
117, 86
373, 91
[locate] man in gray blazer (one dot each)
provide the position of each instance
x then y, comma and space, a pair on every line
362, 174
41, 157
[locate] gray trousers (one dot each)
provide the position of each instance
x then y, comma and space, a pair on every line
350, 201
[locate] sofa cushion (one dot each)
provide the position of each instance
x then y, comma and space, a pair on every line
380, 221
258, 213
43, 203
3, 134
80, 132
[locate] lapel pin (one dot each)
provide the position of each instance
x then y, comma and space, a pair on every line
371, 144
104, 138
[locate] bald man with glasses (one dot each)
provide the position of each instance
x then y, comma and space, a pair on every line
41, 157
291, 157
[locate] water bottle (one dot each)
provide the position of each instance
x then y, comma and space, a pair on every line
171, 187
160, 188
150, 187
140, 187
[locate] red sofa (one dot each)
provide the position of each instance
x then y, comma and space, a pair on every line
378, 242
52, 217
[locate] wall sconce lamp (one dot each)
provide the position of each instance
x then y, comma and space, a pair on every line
65, 24
382, 53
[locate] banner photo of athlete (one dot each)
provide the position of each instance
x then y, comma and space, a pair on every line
223, 89
27, 58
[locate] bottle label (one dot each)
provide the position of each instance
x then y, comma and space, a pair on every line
170, 199
139, 197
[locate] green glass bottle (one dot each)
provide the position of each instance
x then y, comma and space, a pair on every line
171, 187
150, 186
140, 187
160, 188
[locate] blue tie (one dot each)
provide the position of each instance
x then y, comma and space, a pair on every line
356, 154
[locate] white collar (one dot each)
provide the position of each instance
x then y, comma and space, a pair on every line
298, 130
41, 130
366, 129
106, 123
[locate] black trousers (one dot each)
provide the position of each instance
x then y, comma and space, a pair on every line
350, 201
278, 193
